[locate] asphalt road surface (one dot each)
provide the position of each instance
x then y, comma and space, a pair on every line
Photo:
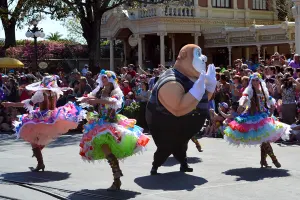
221, 172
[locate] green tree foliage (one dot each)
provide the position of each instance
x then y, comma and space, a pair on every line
54, 36
74, 30
13, 14
89, 14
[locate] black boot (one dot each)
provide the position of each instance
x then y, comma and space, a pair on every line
117, 173
184, 167
154, 171
39, 157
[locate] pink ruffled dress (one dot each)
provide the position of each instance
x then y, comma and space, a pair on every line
41, 127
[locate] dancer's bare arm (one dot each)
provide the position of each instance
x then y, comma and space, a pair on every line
13, 104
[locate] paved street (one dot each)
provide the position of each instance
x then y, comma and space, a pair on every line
220, 172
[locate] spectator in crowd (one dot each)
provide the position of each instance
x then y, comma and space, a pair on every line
85, 69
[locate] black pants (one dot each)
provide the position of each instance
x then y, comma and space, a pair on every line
165, 149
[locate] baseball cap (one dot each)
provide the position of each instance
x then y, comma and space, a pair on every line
223, 104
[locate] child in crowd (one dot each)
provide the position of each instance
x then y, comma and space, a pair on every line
216, 120
232, 113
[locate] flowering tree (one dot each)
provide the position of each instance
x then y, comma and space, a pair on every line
48, 50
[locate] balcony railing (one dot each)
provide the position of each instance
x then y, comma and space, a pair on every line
170, 11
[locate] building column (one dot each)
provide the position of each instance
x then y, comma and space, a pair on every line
196, 3
247, 53
275, 49
125, 52
172, 36
246, 4
296, 14
258, 51
196, 37
229, 55
140, 51
209, 11
144, 49
162, 48
111, 54
291, 47
264, 53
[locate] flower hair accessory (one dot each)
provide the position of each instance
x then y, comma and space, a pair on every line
255, 75
111, 77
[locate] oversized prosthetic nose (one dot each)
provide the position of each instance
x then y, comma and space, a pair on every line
199, 60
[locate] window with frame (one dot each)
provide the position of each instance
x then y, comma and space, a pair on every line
221, 3
259, 4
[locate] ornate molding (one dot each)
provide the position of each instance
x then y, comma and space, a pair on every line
162, 34
196, 34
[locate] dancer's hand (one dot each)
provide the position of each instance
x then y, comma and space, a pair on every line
6, 104
92, 101
240, 110
84, 99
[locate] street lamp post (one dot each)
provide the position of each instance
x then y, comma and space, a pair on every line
34, 33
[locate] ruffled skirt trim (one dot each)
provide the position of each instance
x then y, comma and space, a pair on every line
259, 128
41, 128
124, 139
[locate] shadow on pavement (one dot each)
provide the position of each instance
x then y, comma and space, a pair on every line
103, 194
256, 174
171, 161
170, 181
36, 177
65, 140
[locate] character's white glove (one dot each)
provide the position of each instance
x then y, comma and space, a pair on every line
198, 88
210, 78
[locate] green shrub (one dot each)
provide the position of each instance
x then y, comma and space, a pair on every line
132, 111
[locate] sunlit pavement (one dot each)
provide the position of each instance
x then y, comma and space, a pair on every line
220, 172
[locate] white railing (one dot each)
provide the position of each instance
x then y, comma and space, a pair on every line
179, 11
170, 11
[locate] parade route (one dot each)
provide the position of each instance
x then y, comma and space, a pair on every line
220, 172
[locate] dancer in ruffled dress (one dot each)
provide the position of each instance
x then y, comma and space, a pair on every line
45, 123
256, 125
108, 135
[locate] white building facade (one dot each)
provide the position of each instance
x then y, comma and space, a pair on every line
224, 29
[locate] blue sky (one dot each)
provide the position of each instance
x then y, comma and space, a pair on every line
49, 26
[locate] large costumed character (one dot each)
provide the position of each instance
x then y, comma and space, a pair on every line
107, 134
178, 106
257, 125
46, 122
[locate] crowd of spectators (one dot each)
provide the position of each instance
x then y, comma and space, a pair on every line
281, 75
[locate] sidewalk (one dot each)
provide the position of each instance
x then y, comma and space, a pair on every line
220, 172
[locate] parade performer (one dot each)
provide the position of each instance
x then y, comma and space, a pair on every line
178, 105
45, 123
256, 125
108, 135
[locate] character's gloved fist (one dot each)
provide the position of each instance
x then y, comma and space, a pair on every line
210, 78
198, 88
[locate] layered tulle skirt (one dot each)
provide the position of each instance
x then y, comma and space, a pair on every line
123, 137
255, 129
41, 127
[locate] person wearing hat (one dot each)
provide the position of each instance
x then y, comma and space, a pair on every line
108, 135
277, 60
256, 124
45, 123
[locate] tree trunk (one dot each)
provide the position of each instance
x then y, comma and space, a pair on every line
10, 36
91, 32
